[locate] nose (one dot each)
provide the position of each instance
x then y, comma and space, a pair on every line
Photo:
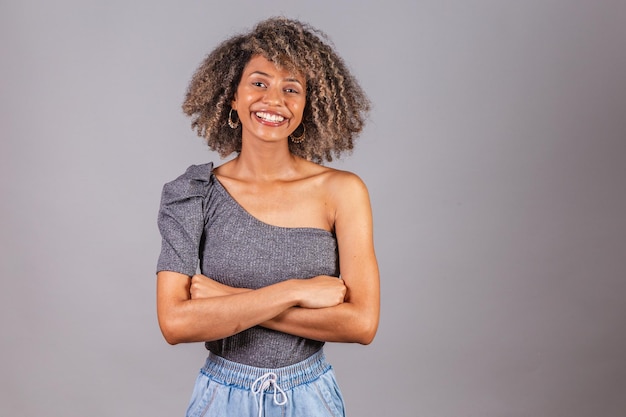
273, 95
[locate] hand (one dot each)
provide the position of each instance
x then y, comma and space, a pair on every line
322, 291
204, 287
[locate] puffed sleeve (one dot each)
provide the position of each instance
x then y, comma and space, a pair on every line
181, 219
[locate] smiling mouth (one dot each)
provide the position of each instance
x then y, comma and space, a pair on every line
268, 117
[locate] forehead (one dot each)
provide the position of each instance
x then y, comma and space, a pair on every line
260, 64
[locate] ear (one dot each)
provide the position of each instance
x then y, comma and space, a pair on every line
233, 103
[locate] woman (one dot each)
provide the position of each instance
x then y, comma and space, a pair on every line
284, 244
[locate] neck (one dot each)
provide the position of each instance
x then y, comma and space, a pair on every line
266, 161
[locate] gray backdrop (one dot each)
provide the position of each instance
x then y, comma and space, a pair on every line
495, 157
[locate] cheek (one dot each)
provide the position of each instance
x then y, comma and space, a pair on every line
299, 108
242, 98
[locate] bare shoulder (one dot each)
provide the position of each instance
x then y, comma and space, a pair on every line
339, 187
344, 182
344, 197
351, 212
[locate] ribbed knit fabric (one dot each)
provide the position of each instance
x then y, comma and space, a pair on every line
201, 224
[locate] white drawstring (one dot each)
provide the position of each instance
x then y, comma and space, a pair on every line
264, 382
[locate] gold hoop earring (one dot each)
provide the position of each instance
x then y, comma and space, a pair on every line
298, 139
231, 123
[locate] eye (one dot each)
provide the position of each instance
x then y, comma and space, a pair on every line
258, 84
292, 90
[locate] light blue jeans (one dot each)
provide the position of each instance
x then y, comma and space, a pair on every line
229, 389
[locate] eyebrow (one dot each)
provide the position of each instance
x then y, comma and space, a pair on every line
269, 76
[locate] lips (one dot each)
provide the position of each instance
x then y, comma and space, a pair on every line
269, 117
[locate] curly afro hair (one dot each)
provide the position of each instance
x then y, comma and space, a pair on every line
336, 106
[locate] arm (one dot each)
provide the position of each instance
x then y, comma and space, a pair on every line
356, 319
186, 319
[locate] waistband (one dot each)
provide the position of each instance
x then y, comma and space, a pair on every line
244, 376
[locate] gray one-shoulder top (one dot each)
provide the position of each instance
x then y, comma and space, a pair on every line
203, 226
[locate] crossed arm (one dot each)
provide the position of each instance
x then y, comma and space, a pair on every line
193, 309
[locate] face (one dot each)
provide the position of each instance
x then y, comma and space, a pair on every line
269, 101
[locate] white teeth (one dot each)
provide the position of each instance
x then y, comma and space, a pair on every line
269, 117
